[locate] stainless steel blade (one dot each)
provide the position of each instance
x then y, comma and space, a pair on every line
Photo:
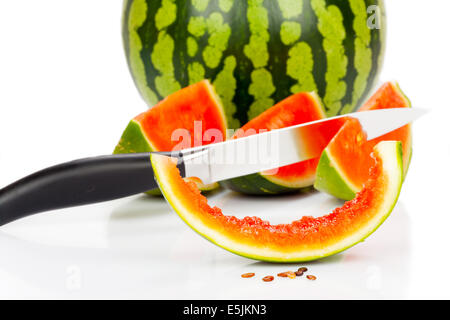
267, 151
379, 122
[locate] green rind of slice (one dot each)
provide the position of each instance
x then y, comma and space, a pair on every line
331, 181
260, 185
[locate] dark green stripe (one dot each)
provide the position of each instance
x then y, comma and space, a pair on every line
278, 53
240, 35
349, 45
149, 35
178, 30
312, 36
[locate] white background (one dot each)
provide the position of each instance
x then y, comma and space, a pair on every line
65, 93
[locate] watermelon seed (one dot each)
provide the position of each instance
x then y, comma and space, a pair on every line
283, 274
267, 278
311, 277
298, 273
302, 269
248, 275
291, 274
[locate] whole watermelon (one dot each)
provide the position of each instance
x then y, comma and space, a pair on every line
256, 52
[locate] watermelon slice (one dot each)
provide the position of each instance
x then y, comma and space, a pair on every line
296, 109
302, 240
344, 165
190, 117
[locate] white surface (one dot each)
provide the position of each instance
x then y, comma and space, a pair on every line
65, 93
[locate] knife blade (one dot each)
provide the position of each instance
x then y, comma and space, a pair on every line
98, 179
277, 148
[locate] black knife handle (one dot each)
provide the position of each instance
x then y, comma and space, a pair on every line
78, 182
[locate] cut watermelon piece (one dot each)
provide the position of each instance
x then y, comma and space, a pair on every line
390, 95
344, 164
298, 108
196, 110
302, 240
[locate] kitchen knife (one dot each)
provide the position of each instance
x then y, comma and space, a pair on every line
104, 178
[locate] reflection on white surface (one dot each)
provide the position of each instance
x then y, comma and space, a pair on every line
143, 250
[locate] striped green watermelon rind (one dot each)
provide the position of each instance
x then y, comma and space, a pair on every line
255, 52
258, 184
390, 153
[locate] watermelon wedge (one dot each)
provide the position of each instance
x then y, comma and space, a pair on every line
302, 240
344, 165
190, 117
296, 109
